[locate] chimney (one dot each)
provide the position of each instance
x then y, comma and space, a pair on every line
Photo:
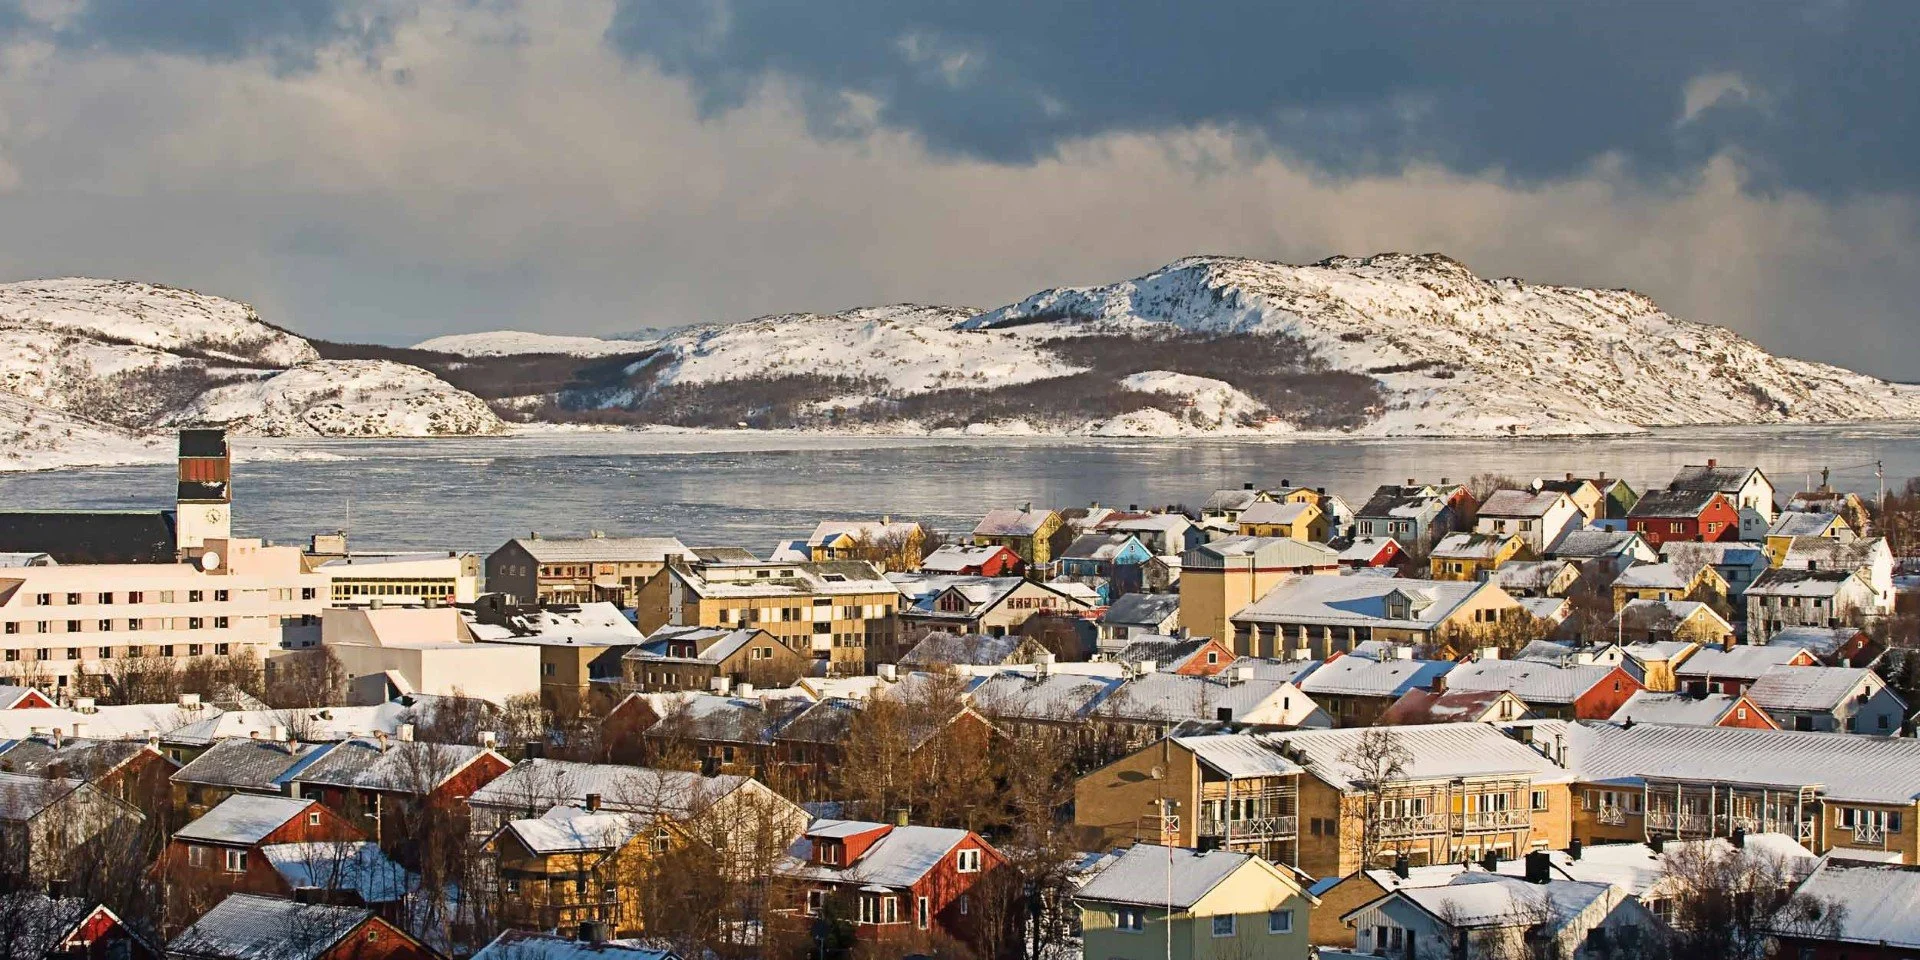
1569, 476
489, 739
1042, 664
744, 690
1286, 484
887, 672
534, 749
1489, 653
1027, 507
593, 803
1410, 482
189, 701
380, 737
1711, 462
1320, 490
1726, 642
900, 817
593, 931
83, 705
1490, 861
1656, 843
1402, 867
1439, 684
57, 737
1133, 508
1247, 485
1573, 849
1539, 866
1223, 714
1240, 674
277, 733
405, 732
1739, 838
1444, 481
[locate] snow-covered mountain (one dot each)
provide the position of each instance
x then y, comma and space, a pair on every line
509, 343
1462, 355
92, 370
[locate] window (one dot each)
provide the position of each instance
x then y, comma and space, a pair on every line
12, 627
306, 593
196, 623
1130, 920
73, 599
818, 898
1280, 921
962, 904
889, 909
236, 861
920, 912
73, 626
513, 886
968, 860
219, 596
136, 596
313, 819
1223, 925
196, 855
105, 625
73, 653
1539, 800
221, 649
194, 649
135, 623
105, 598
43, 599
219, 623
196, 596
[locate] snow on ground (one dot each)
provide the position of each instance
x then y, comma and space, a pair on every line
506, 343
36, 437
344, 398
163, 318
913, 348
1214, 403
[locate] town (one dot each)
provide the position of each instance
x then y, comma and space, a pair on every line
1468, 717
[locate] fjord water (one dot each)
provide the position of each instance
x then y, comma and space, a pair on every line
753, 489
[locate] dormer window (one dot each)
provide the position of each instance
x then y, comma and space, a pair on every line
827, 851
967, 860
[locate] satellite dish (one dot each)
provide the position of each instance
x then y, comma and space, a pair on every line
1157, 773
209, 561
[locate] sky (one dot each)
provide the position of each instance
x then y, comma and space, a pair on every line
391, 170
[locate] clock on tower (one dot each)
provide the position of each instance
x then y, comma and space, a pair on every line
205, 497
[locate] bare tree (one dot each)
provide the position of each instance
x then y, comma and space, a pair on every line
1724, 902
1376, 761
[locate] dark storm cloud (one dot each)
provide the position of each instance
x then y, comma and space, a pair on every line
1535, 90
288, 32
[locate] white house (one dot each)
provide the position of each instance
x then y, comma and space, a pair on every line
1829, 699
1748, 488
1540, 517
1806, 598
1489, 916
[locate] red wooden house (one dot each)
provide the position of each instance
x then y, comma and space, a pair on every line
44, 928
223, 851
990, 560
22, 698
248, 927
894, 883
1704, 516
386, 787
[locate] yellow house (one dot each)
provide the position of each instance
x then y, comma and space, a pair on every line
1651, 620
1659, 658
1780, 536
1474, 556
1673, 581
1236, 793
1152, 902
1219, 579
1035, 535
1294, 519
576, 866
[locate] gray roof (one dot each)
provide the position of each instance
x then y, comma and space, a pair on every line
248, 927
538, 785
1367, 677
1440, 751
1673, 503
527, 945
1787, 582
603, 549
1743, 662
1680, 709
256, 765
1530, 680
1238, 756
1849, 766
897, 860
1470, 546
394, 766
953, 557
1359, 601
1273, 551
1586, 543
1713, 476
1097, 546
1795, 523
1142, 609
1882, 901
972, 649
1006, 522
23, 797
1223, 501
1520, 503
243, 819
1155, 876
82, 759
1803, 689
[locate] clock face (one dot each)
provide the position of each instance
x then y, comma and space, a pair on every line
214, 515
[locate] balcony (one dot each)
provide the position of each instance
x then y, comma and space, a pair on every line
1865, 835
1611, 816
1394, 828
1685, 823
1484, 820
1251, 828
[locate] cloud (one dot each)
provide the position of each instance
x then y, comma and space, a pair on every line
1711, 90
505, 165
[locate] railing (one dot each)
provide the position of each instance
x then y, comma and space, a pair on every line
1493, 820
1685, 822
1806, 831
1611, 816
1250, 828
1867, 833
1414, 826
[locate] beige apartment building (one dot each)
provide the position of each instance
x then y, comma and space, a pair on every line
1221, 578
840, 611
66, 619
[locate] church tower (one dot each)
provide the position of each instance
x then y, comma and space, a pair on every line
205, 499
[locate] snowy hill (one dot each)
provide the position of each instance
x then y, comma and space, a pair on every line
1458, 354
92, 370
508, 343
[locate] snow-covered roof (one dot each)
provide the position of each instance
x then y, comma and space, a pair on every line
1520, 503
1693, 554
1663, 504
538, 785
1283, 512
1807, 688
1784, 582
1639, 870
249, 927
1654, 576
831, 577
588, 624
1418, 706
1153, 875
1530, 680
256, 765
23, 797
359, 865
1640, 614
1161, 696
1882, 902
1712, 476
1365, 549
1142, 609
1266, 551
1238, 756
1470, 546
941, 647
318, 723
1476, 899
1848, 766
1822, 641
1440, 751
898, 859
82, 759
24, 559
572, 830
1795, 523
1054, 696
1657, 651
1742, 662
1401, 502
1529, 574
1359, 601
136, 721
1586, 542
603, 549
1008, 522
243, 819
528, 945
711, 644
1355, 675
398, 766
1225, 501
955, 558
1555, 609
1680, 709
827, 531
1098, 546
1830, 552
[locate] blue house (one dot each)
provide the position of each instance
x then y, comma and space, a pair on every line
1110, 562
